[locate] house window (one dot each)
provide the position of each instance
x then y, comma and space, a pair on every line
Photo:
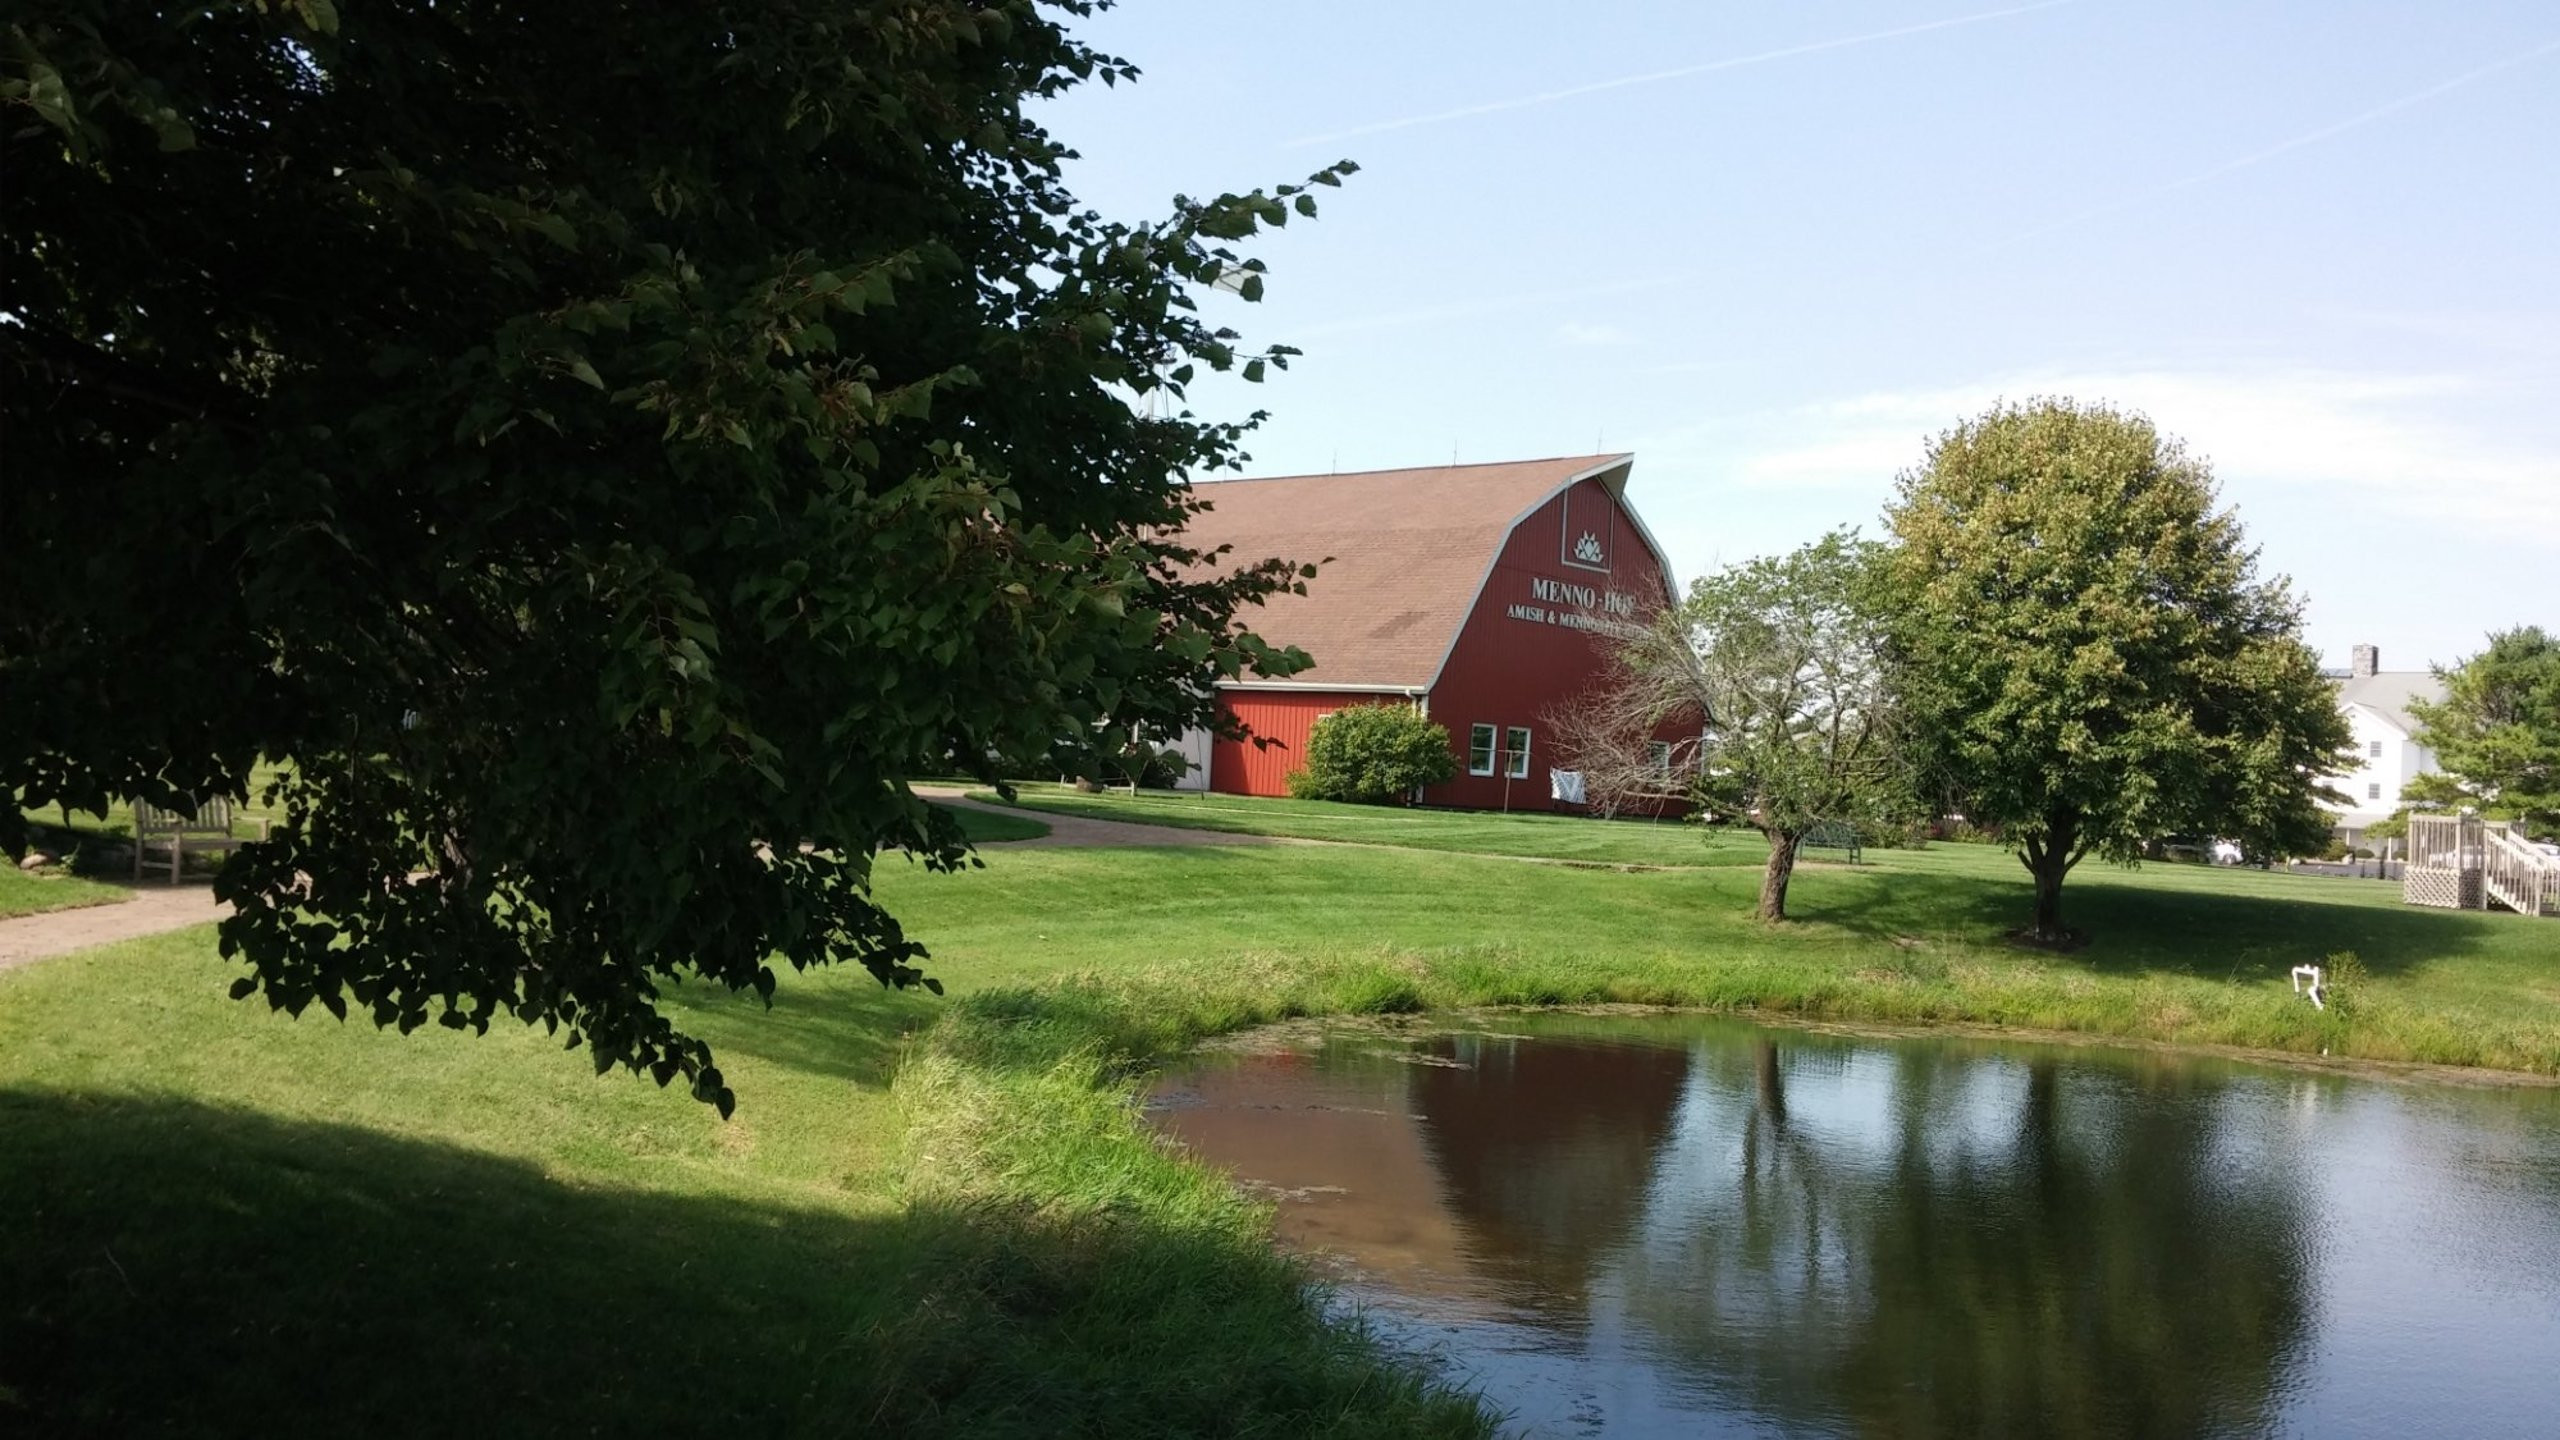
1480, 750
2374, 749
1515, 743
2373, 791
1657, 756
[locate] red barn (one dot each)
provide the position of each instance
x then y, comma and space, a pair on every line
1473, 591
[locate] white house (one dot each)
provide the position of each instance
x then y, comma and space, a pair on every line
2376, 703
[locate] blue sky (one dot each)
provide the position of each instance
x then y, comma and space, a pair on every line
1773, 248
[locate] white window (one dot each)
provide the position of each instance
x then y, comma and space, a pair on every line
1515, 744
1657, 756
2374, 750
2373, 791
1480, 750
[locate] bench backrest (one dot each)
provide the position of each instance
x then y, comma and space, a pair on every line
1833, 835
213, 817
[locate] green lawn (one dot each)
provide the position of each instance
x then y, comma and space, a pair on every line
1550, 837
25, 894
985, 828
940, 1216
117, 822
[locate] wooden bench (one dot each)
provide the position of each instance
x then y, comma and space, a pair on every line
1834, 835
207, 831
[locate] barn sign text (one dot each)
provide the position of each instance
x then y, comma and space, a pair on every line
1573, 605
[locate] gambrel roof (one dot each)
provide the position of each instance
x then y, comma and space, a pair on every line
1407, 552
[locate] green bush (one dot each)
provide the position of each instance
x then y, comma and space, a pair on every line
1373, 754
2345, 980
1165, 769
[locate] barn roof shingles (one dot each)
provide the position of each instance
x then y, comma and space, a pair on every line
1408, 551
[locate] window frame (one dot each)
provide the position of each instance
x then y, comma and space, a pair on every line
2373, 790
1515, 744
2373, 750
1657, 756
1480, 741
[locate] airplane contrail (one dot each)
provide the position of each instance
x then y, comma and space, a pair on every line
2312, 137
1549, 97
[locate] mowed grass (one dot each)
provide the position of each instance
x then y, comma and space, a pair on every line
942, 1217
1540, 835
25, 894
985, 827
116, 821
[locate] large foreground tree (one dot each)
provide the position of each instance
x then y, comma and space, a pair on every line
604, 451
2091, 658
2497, 732
1774, 677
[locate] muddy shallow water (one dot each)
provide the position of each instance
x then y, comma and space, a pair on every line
1680, 1225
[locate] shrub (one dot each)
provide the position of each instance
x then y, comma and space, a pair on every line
2344, 980
1165, 769
1373, 754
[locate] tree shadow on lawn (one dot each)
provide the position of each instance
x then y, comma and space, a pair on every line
2147, 928
841, 1026
175, 1267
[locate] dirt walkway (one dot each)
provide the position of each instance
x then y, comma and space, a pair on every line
151, 910
1077, 830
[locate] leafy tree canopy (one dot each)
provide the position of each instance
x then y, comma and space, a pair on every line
604, 451
1775, 674
2091, 656
2497, 731
1374, 755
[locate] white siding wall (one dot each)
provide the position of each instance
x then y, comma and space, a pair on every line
1194, 747
2373, 787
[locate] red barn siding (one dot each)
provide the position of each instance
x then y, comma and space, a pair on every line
1522, 651
1239, 767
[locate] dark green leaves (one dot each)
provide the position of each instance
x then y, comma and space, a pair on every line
604, 481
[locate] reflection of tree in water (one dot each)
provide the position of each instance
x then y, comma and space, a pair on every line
1546, 1149
2084, 1264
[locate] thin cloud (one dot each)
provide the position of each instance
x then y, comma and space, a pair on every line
1585, 335
2380, 444
2287, 147
1651, 77
1489, 303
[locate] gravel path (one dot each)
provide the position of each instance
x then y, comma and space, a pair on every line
150, 910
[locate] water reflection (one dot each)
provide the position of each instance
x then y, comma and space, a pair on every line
1545, 1153
1675, 1226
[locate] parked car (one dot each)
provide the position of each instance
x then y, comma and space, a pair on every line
2227, 852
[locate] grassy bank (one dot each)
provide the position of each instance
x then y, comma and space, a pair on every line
227, 1222
941, 1217
25, 894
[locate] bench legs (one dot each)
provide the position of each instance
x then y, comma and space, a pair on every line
142, 856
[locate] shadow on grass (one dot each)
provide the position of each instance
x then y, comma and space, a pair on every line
841, 1026
170, 1267
2142, 927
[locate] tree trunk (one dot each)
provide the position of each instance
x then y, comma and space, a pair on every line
1774, 875
1773, 1086
2048, 858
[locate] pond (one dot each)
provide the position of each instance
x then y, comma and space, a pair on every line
1683, 1225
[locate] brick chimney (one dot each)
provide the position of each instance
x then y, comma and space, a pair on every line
2368, 659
